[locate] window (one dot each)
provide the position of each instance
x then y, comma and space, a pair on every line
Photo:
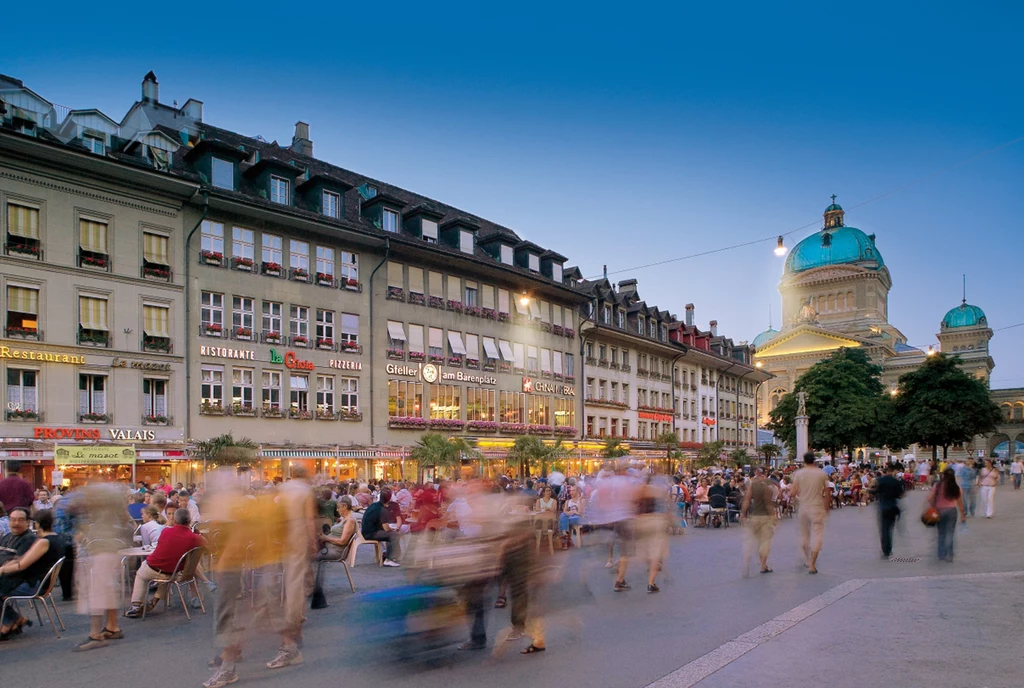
279, 190
466, 242
470, 299
332, 204
92, 397
533, 261
520, 355
545, 361
564, 413
602, 353
272, 391
590, 426
22, 391
503, 306
436, 342
557, 361
430, 231
94, 144
298, 390
396, 281
622, 319
223, 174
272, 315
511, 407
396, 338
390, 221
212, 388
93, 243
212, 313
155, 260
456, 347
298, 325
325, 395
570, 365
154, 399
436, 286
271, 251
614, 391
92, 319
212, 239
472, 349
445, 402
556, 317
325, 264
491, 353
243, 250
349, 394
405, 399
480, 404
625, 358
664, 333
242, 389
22, 312
23, 230
349, 330
615, 427
350, 267
298, 256
454, 289
156, 328
602, 388
640, 325
653, 332
324, 328
538, 409
606, 316
416, 284
242, 316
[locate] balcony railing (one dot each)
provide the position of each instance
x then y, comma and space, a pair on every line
14, 332
152, 271
23, 248
93, 337
96, 418
271, 337
157, 420
213, 258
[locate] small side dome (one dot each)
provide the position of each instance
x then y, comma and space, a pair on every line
763, 338
964, 315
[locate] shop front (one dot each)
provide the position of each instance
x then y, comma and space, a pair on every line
75, 466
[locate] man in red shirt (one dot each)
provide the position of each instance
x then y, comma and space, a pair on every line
15, 491
174, 542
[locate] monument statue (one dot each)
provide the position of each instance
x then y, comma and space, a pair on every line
802, 422
807, 314
802, 408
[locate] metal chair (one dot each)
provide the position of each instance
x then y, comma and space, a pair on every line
343, 560
43, 594
720, 508
357, 540
271, 571
184, 573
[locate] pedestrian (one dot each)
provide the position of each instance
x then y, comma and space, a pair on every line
761, 515
15, 491
989, 478
947, 499
810, 485
105, 527
301, 544
1017, 471
968, 480
887, 490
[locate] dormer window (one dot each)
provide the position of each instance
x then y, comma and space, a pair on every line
653, 329
429, 229
280, 190
506, 254
389, 222
94, 144
664, 333
622, 319
223, 174
556, 272
466, 242
606, 316
640, 325
534, 262
332, 204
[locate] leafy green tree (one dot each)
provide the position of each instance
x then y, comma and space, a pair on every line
225, 450
891, 426
741, 457
442, 452
843, 392
769, 451
530, 449
942, 405
613, 448
710, 453
670, 441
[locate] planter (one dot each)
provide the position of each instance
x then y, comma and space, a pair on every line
272, 413
156, 272
439, 360
349, 415
445, 424
272, 338
489, 314
212, 258
436, 302
570, 333
455, 361
472, 362
213, 330
504, 318
211, 410
350, 348
300, 415
455, 305
417, 298
16, 415
326, 415
408, 423
483, 425
22, 250
22, 332
155, 420
324, 280
539, 429
558, 329
299, 275
351, 285
325, 344
565, 430
417, 356
270, 269
396, 354
243, 333
93, 417
244, 264
300, 341
157, 345
396, 294
513, 428
243, 411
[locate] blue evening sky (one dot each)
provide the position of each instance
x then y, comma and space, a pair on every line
626, 134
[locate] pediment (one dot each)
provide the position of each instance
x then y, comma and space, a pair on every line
806, 340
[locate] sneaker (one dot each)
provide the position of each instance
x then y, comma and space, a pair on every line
653, 588
622, 586
196, 603
135, 612
388, 562
221, 678
211, 586
285, 658
217, 661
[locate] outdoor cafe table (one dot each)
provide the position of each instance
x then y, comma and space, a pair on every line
127, 554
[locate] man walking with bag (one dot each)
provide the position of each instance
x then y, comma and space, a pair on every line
887, 490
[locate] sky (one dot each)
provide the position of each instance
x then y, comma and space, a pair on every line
625, 135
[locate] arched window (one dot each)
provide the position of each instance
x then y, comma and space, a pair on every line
851, 301
1007, 411
1018, 411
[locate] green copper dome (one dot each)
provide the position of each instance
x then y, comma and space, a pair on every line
965, 315
764, 337
834, 206
835, 244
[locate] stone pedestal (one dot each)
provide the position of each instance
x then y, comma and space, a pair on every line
801, 438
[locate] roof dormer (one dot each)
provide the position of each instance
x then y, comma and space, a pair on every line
460, 234
500, 247
324, 195
422, 223
551, 265
383, 211
274, 179
527, 256
216, 163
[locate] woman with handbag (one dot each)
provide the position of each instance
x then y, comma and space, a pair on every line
945, 500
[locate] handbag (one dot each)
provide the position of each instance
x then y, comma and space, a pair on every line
930, 517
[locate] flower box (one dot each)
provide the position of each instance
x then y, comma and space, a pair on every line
24, 249
603, 363
242, 263
299, 414
213, 330
396, 293
436, 302
472, 362
325, 343
505, 367
417, 356
93, 417
243, 333
407, 422
454, 305
483, 425
417, 298
22, 414
613, 365
352, 415
569, 379
299, 340
326, 414
489, 314
569, 332
591, 360
161, 344
212, 258
445, 424
504, 317
533, 429
558, 329
324, 280
565, 430
299, 275
351, 285
96, 261
272, 412
243, 410
350, 347
272, 337
455, 361
513, 428
625, 368
642, 372
476, 311
155, 420
208, 409
607, 402
270, 268
156, 271
490, 365
545, 326
434, 358
23, 332
396, 354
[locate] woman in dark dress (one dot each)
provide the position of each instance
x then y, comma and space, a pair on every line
29, 558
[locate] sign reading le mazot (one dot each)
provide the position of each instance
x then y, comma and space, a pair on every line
93, 456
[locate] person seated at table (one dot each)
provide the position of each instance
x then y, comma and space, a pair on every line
403, 497
137, 505
335, 542
28, 559
151, 526
174, 542
700, 498
42, 501
363, 496
378, 525
547, 501
573, 511
718, 497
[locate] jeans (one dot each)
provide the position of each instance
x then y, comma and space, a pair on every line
947, 532
1016, 481
565, 520
12, 613
390, 540
988, 500
970, 500
473, 597
886, 523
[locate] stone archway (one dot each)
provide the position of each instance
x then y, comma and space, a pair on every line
999, 442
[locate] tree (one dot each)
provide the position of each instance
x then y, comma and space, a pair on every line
710, 453
843, 392
942, 405
439, 451
891, 425
225, 450
613, 448
769, 451
669, 440
741, 457
530, 449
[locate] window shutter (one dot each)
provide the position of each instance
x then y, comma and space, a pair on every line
22, 221
93, 236
155, 248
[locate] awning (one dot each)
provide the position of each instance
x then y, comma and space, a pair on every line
396, 331
155, 319
490, 349
92, 313
22, 221
93, 236
22, 300
154, 248
534, 308
506, 351
455, 341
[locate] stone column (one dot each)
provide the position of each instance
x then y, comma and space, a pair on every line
801, 438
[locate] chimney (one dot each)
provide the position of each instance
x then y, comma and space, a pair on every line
714, 328
150, 89
300, 142
689, 315
627, 286
193, 109
606, 272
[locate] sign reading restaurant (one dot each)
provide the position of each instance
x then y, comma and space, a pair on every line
42, 356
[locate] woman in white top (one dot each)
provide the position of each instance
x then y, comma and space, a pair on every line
573, 511
151, 527
547, 502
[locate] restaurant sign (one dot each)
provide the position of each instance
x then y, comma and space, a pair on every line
41, 356
94, 456
140, 365
660, 417
531, 386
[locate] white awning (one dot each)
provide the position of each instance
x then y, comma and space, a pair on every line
506, 351
534, 308
490, 350
396, 331
455, 340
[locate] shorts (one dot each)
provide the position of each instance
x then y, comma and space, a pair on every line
625, 533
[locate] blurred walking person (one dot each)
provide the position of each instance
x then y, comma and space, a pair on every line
761, 515
968, 479
988, 478
810, 486
888, 491
300, 545
947, 498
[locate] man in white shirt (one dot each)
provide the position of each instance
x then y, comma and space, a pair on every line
1017, 472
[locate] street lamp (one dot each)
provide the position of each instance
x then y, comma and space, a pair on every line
931, 350
759, 364
524, 299
780, 248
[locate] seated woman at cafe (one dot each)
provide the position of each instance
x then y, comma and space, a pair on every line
27, 559
151, 526
573, 511
335, 542
547, 502
700, 498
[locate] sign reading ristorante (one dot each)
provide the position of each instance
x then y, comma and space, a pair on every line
224, 352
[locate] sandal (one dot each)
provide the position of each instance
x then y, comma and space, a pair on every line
112, 635
767, 569
500, 603
531, 649
91, 644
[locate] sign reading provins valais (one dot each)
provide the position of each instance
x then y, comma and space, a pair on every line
117, 434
